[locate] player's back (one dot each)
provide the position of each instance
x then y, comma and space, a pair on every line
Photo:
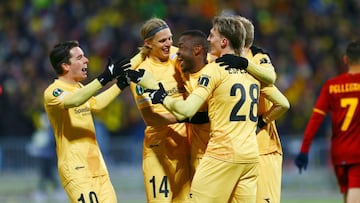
232, 107
341, 98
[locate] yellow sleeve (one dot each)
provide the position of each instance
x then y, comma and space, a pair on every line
279, 101
136, 60
184, 109
148, 81
81, 95
106, 97
261, 68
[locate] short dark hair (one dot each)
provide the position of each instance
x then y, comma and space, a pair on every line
353, 52
61, 54
199, 38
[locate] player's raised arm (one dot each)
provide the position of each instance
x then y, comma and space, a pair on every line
81, 95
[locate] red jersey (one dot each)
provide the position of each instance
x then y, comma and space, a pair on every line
340, 97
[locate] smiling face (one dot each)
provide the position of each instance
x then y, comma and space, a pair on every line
77, 69
185, 54
216, 41
160, 45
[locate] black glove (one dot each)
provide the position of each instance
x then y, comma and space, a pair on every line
122, 82
301, 161
199, 118
261, 123
120, 67
135, 76
113, 70
158, 96
232, 61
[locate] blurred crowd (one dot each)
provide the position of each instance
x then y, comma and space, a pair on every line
306, 41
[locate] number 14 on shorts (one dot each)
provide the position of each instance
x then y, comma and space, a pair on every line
160, 187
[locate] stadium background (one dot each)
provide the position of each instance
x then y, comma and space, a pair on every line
306, 40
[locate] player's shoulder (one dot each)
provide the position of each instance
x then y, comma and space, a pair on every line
213, 67
54, 90
259, 56
258, 50
343, 77
211, 70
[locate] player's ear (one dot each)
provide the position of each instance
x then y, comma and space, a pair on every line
65, 67
196, 50
147, 43
224, 42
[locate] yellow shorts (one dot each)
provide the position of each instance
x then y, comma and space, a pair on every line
269, 181
97, 189
167, 180
218, 181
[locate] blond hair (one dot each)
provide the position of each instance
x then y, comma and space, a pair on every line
249, 28
148, 31
233, 30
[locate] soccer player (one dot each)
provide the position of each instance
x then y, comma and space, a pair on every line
166, 158
192, 54
192, 57
228, 170
69, 105
340, 97
271, 155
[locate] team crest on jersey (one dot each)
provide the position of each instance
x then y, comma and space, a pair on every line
204, 80
264, 60
57, 92
139, 90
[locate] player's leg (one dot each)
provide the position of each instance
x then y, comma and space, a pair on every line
107, 190
83, 190
269, 180
156, 181
214, 181
180, 179
353, 193
246, 187
177, 165
341, 173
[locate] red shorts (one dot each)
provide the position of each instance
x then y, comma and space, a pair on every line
348, 176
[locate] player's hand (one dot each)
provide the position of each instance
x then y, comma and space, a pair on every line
261, 123
158, 96
301, 161
232, 61
122, 82
120, 67
135, 76
113, 70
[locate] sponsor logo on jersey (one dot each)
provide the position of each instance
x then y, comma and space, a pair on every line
267, 200
204, 80
81, 110
57, 92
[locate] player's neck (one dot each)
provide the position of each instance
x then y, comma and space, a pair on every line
227, 51
354, 69
67, 79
